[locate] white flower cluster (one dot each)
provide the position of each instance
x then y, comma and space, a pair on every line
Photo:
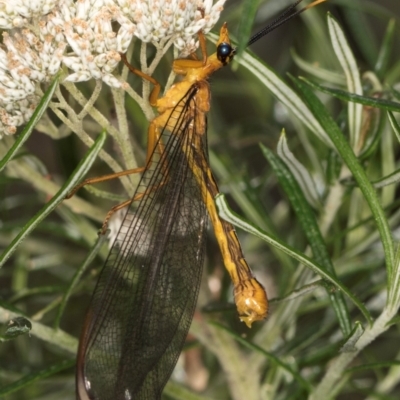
87, 37
157, 20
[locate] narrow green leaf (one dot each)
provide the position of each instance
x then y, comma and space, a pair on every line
318, 72
347, 61
373, 366
393, 321
249, 10
393, 299
24, 135
276, 360
348, 156
77, 175
385, 52
233, 218
104, 194
301, 174
395, 125
27, 292
306, 217
31, 378
302, 291
390, 179
361, 31
346, 96
90, 257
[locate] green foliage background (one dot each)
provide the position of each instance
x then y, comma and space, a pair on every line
325, 217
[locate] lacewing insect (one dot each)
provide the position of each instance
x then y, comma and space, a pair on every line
145, 297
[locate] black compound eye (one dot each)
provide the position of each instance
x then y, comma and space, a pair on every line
224, 52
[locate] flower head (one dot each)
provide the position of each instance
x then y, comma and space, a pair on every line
17, 101
16, 113
86, 36
17, 13
39, 57
94, 44
160, 20
27, 59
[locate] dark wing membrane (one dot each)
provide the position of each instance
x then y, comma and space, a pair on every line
146, 294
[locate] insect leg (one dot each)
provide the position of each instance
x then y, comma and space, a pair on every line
153, 143
153, 140
203, 48
155, 93
103, 178
126, 203
153, 133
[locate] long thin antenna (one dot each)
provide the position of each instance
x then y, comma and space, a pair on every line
288, 14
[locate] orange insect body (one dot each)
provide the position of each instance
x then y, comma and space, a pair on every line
250, 297
145, 297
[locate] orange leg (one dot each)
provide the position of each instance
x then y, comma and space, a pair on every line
153, 139
155, 93
126, 203
180, 66
202, 41
152, 135
103, 178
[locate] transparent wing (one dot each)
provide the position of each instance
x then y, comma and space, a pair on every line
144, 301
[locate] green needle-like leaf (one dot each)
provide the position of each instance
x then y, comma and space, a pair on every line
79, 172
306, 217
348, 156
24, 135
31, 378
